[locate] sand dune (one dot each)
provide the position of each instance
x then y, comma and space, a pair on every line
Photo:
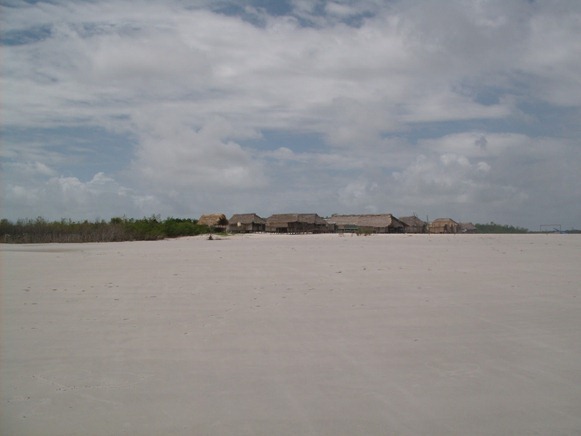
293, 335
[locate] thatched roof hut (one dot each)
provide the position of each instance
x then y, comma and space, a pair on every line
444, 225
414, 224
215, 220
246, 223
468, 228
377, 223
296, 223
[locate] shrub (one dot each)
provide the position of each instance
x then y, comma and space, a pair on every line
117, 229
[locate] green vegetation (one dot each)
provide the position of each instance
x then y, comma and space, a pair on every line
40, 230
499, 228
117, 229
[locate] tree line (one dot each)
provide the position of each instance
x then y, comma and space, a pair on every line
492, 227
40, 230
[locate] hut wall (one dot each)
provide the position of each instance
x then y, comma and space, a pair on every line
443, 228
274, 227
395, 229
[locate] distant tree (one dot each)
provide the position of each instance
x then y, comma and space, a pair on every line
117, 229
492, 227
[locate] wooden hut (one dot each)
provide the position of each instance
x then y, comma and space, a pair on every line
444, 225
217, 221
414, 224
468, 228
246, 223
296, 223
377, 223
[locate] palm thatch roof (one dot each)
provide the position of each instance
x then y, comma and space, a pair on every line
443, 221
376, 222
412, 221
213, 220
246, 218
444, 225
414, 224
285, 218
468, 228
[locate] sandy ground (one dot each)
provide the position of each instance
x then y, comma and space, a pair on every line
293, 335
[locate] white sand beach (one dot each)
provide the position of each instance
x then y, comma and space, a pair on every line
293, 335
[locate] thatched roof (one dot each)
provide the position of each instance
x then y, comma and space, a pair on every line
442, 221
375, 221
444, 225
468, 227
283, 218
213, 219
412, 221
246, 218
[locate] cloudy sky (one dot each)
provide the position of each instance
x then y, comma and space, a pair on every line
463, 108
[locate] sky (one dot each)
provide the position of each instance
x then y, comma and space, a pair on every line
469, 109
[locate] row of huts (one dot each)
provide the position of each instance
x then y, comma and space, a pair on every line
313, 223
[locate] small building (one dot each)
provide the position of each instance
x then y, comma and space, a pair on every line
246, 223
296, 223
216, 221
468, 228
444, 225
377, 223
414, 224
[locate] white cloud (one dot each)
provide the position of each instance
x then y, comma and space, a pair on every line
359, 195
32, 169
68, 197
172, 155
231, 66
445, 96
553, 53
